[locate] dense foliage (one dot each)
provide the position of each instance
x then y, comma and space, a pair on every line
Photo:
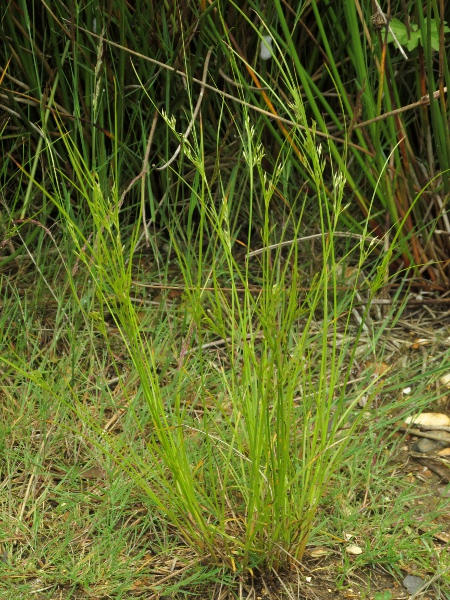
105, 72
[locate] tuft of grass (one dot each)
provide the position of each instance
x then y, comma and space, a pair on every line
234, 453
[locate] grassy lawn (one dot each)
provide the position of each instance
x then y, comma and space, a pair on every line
99, 463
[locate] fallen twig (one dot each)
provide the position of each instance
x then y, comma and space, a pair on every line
343, 234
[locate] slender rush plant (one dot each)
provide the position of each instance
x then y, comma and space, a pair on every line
266, 461
240, 446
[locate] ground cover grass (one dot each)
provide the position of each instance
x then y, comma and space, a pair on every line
224, 428
76, 463
190, 337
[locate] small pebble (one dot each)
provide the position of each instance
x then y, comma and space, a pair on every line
413, 583
444, 491
352, 549
425, 445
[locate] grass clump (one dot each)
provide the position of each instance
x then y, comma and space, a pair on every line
237, 424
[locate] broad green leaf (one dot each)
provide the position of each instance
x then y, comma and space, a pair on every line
415, 34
